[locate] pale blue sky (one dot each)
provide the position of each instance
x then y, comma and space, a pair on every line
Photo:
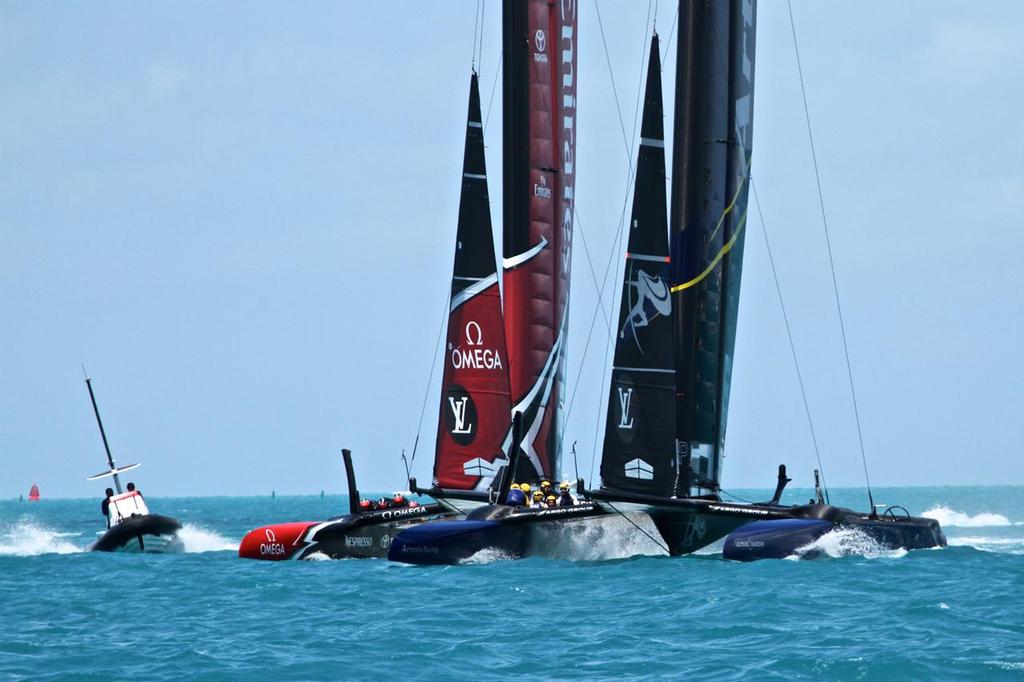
241, 218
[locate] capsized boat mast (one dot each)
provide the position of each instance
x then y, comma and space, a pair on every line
114, 471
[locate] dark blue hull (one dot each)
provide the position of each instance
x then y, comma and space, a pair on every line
452, 542
780, 538
773, 539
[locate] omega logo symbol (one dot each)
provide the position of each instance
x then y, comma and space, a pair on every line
474, 339
271, 537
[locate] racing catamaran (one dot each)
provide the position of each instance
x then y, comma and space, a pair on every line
130, 524
669, 395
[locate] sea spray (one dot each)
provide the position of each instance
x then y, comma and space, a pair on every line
30, 538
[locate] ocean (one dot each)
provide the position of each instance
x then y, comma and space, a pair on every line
619, 612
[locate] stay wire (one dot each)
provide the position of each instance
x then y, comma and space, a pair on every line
430, 378
789, 335
831, 260
617, 242
476, 28
638, 527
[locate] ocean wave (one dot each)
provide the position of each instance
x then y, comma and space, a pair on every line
27, 538
196, 539
953, 518
844, 542
989, 544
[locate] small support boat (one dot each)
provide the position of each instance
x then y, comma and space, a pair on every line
130, 524
33, 494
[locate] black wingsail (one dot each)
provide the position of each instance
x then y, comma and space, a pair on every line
710, 172
639, 441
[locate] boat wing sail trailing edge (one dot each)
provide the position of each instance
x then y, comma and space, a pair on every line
539, 148
475, 413
713, 137
639, 442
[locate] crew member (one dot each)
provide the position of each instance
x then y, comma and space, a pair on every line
538, 500
383, 503
545, 487
131, 488
565, 498
525, 487
399, 500
551, 501
365, 505
105, 505
515, 497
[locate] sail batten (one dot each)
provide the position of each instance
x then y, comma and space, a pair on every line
475, 410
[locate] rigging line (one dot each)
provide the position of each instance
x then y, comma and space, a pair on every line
476, 25
671, 33
607, 348
831, 261
494, 87
430, 379
480, 56
615, 92
789, 335
638, 527
590, 264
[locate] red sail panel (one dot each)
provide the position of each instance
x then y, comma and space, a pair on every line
540, 147
475, 407
475, 413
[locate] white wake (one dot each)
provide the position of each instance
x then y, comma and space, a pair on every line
27, 538
953, 518
194, 539
844, 542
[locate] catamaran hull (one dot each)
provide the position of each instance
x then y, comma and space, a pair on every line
151, 532
783, 538
492, 531
366, 535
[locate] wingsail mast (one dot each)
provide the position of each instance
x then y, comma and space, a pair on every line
113, 471
539, 148
710, 172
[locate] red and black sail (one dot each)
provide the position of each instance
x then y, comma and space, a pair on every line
710, 172
539, 146
475, 415
640, 434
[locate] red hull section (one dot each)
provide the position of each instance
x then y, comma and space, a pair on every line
536, 273
275, 543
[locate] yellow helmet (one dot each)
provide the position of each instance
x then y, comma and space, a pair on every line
545, 484
551, 498
525, 487
515, 486
564, 485
538, 495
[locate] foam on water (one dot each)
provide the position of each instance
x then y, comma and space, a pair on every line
196, 539
28, 538
952, 518
989, 544
600, 539
843, 542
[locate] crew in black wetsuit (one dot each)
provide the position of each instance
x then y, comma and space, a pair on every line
105, 505
565, 498
131, 487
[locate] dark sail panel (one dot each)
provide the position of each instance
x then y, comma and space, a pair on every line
710, 172
475, 406
639, 442
539, 181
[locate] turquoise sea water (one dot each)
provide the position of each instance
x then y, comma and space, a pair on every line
864, 613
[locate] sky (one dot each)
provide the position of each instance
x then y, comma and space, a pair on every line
241, 220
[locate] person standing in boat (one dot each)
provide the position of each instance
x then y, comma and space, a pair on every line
538, 500
131, 488
105, 505
565, 498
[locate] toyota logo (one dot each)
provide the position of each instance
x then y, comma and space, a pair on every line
540, 40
